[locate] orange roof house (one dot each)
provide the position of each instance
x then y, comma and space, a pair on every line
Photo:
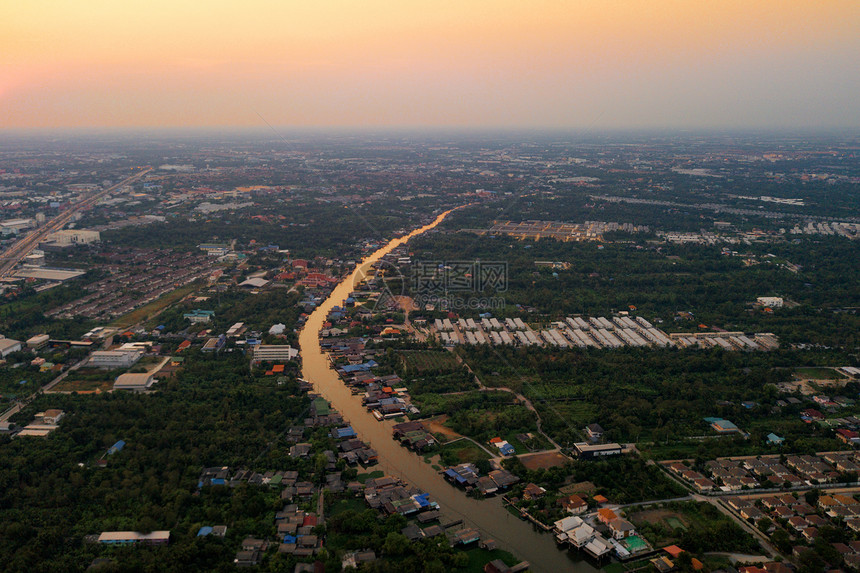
606, 515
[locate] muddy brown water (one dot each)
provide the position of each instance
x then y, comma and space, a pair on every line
488, 516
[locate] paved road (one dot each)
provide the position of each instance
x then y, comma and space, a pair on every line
656, 501
20, 249
18, 406
763, 539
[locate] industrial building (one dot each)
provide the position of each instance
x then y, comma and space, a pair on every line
8, 346
588, 451
38, 341
133, 382
73, 237
48, 274
129, 537
114, 358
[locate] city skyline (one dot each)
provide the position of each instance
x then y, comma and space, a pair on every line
581, 65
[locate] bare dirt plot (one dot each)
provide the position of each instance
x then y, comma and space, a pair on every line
84, 386
655, 516
545, 460
436, 426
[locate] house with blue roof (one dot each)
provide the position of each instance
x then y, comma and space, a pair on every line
350, 368
343, 433
722, 426
116, 447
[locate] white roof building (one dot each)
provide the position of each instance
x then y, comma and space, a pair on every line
277, 328
118, 537
8, 346
254, 283
274, 353
133, 382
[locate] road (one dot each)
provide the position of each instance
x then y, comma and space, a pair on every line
525, 401
763, 539
19, 405
20, 249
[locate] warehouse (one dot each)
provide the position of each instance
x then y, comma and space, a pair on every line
129, 537
114, 358
588, 451
8, 346
133, 382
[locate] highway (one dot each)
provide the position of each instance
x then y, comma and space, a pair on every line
20, 249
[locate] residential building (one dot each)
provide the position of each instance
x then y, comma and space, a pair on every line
594, 432
573, 504
621, 528
274, 353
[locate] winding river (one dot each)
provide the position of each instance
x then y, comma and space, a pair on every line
488, 516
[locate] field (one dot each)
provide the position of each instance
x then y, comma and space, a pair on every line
663, 523
817, 373
150, 310
342, 505
545, 460
655, 516
698, 527
437, 426
419, 362
83, 386
371, 475
577, 413
461, 452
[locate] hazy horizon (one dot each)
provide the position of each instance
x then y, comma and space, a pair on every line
593, 65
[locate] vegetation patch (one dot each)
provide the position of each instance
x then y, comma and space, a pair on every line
83, 386
697, 527
461, 452
370, 475
149, 310
812, 373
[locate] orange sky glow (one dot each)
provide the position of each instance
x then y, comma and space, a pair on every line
471, 63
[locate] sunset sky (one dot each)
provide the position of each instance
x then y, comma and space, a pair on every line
583, 64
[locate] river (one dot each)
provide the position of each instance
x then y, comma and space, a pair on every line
488, 516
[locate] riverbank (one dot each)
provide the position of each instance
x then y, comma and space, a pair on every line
488, 516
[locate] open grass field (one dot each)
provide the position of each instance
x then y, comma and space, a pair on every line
463, 451
342, 505
578, 413
818, 373
150, 310
371, 475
